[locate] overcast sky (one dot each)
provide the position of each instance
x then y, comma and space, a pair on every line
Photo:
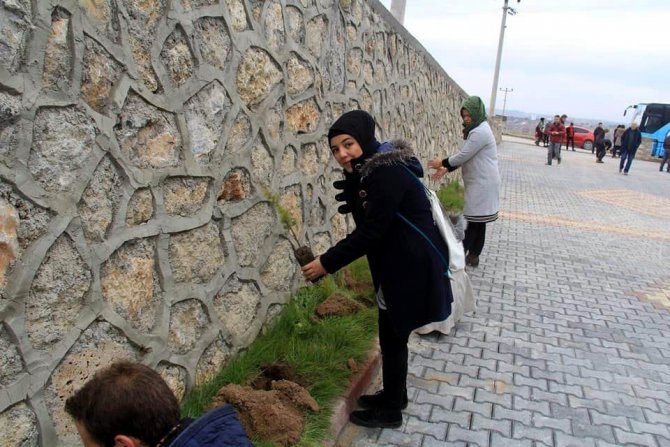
585, 58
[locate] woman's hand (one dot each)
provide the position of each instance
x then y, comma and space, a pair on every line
435, 164
439, 173
313, 270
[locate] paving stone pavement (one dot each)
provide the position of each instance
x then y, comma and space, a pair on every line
570, 345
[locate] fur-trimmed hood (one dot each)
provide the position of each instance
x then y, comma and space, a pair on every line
393, 153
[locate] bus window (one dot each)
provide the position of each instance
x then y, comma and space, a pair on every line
655, 116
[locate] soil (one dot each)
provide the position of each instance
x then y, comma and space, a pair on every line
276, 371
303, 255
271, 416
355, 285
337, 305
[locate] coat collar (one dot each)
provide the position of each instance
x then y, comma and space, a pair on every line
392, 153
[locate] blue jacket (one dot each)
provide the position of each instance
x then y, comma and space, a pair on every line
631, 139
217, 428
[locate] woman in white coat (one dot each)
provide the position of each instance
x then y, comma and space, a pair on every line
479, 159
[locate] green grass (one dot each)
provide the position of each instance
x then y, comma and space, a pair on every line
317, 350
451, 197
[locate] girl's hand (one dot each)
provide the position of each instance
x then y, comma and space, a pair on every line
313, 270
435, 164
439, 173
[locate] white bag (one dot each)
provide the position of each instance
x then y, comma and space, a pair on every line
461, 288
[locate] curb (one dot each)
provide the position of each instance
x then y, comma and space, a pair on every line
346, 403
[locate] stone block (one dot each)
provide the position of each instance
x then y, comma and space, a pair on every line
250, 231
10, 359
257, 75
10, 110
18, 426
309, 160
315, 30
204, 114
274, 122
190, 5
33, 219
130, 284
214, 41
239, 134
236, 186
148, 136
303, 117
177, 58
300, 75
238, 15
100, 73
98, 346
280, 267
175, 377
143, 19
288, 161
103, 14
15, 25
140, 207
63, 141
295, 24
100, 201
58, 57
188, 322
185, 196
262, 163
196, 255
237, 305
57, 294
212, 360
9, 242
275, 34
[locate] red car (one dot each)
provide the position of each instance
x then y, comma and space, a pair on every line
584, 138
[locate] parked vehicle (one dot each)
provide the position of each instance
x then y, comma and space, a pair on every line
654, 121
584, 138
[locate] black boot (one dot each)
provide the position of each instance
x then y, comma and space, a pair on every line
378, 400
377, 418
472, 260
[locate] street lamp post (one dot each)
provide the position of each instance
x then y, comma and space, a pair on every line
506, 91
506, 10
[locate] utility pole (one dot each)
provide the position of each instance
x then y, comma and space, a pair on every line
398, 10
506, 10
506, 91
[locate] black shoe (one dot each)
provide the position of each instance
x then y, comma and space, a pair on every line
376, 418
378, 400
472, 260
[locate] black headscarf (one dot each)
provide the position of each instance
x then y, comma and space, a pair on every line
360, 125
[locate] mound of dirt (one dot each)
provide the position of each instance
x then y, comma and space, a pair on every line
264, 414
295, 395
337, 305
356, 286
276, 371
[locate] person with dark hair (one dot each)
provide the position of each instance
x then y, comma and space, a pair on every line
556, 132
407, 255
570, 136
539, 132
618, 133
129, 405
479, 159
630, 141
598, 133
602, 145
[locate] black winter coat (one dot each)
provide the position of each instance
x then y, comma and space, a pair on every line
409, 271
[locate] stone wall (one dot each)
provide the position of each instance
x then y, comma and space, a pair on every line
137, 139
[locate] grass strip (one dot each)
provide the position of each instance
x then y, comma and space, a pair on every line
318, 351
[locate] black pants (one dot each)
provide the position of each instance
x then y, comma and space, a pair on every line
601, 151
394, 360
475, 235
567, 143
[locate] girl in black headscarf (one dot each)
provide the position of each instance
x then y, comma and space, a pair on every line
408, 258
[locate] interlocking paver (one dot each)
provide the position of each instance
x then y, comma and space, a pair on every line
569, 347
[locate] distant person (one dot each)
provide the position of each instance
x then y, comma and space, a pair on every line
129, 404
601, 149
570, 136
478, 158
556, 132
564, 118
630, 141
545, 132
618, 133
666, 154
539, 132
598, 132
606, 146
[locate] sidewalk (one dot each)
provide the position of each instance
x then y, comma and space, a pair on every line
570, 345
